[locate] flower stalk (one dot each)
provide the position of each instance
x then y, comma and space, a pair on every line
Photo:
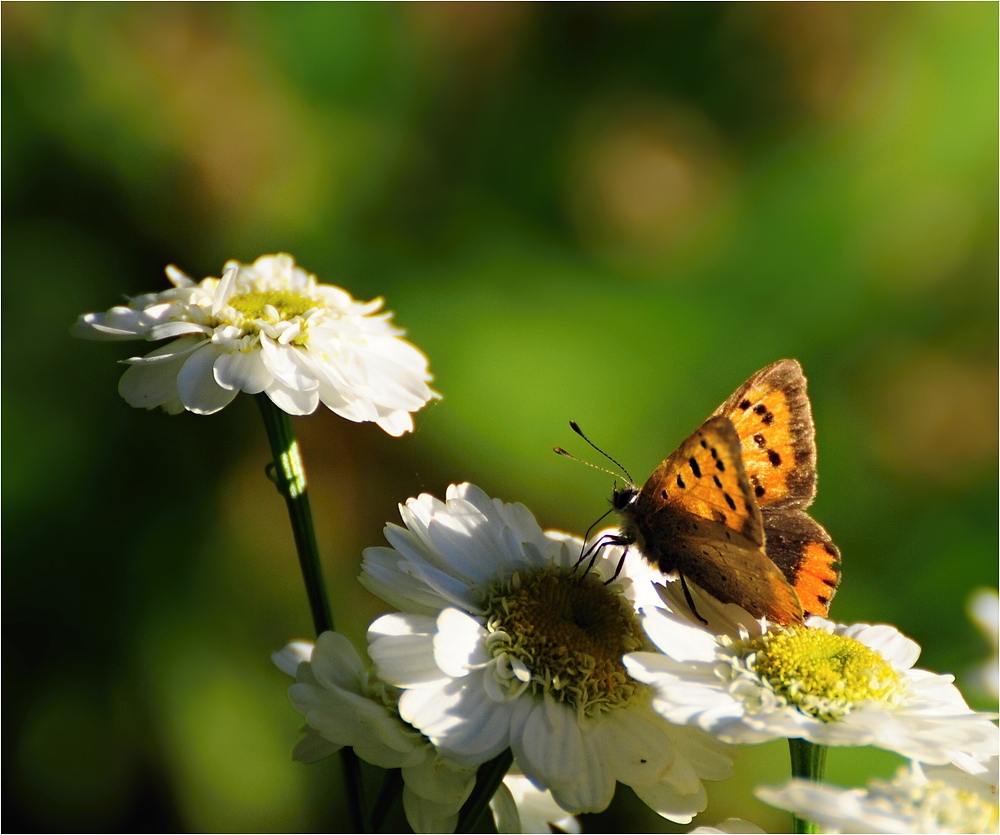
488, 779
809, 763
289, 476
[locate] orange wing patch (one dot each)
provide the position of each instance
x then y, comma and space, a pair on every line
817, 578
773, 419
706, 478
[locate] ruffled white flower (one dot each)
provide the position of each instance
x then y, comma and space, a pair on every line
518, 806
501, 644
828, 683
266, 327
729, 825
345, 705
938, 800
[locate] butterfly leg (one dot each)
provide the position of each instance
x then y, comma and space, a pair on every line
594, 550
687, 597
618, 570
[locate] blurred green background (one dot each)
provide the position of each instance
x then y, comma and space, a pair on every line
607, 213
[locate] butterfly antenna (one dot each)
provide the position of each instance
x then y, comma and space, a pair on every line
575, 427
558, 450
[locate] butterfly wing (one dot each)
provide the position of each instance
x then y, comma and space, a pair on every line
773, 419
697, 515
806, 555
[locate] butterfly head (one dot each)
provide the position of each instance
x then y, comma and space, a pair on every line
622, 497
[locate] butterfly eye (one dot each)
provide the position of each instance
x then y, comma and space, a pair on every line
622, 497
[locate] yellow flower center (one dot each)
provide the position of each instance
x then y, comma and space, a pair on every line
570, 633
288, 305
823, 674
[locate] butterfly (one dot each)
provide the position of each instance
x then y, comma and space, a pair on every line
727, 508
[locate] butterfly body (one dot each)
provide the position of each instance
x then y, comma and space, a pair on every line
726, 508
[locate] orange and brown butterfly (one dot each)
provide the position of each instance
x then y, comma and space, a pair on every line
727, 509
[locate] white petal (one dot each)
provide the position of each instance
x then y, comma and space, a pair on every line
287, 365
118, 324
396, 423
459, 643
292, 401
288, 659
442, 782
169, 330
459, 718
664, 799
150, 385
336, 662
426, 816
196, 383
242, 370
504, 809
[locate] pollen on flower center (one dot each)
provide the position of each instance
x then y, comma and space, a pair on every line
823, 674
570, 635
287, 305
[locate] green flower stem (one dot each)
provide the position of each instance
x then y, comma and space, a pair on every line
488, 780
808, 762
289, 475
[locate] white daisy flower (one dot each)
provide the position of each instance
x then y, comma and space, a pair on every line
502, 644
266, 327
938, 800
345, 705
729, 825
824, 682
520, 807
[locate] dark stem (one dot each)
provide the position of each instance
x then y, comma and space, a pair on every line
388, 798
808, 762
289, 476
488, 780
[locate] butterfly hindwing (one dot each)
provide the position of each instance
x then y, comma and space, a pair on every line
806, 555
773, 419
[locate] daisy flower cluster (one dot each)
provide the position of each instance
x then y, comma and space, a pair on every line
506, 645
501, 642
266, 327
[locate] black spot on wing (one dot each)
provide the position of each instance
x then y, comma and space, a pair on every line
729, 501
760, 440
680, 482
718, 483
774, 458
694, 467
744, 405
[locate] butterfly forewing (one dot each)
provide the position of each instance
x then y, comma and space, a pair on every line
705, 478
773, 420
